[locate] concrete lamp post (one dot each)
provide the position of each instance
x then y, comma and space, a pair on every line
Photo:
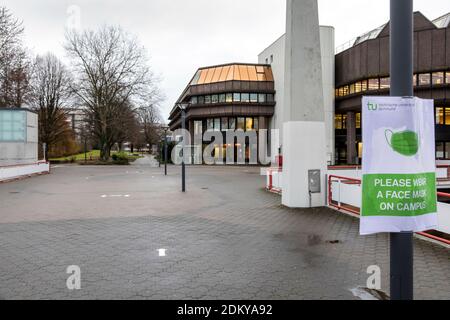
183, 107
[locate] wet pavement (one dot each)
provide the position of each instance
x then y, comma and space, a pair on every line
226, 238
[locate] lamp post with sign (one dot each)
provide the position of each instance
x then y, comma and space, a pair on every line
401, 55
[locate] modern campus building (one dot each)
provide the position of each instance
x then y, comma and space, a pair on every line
228, 97
253, 96
363, 69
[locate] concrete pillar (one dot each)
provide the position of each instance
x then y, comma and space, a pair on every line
351, 138
304, 135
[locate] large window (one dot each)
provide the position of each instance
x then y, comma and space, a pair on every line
253, 97
447, 77
248, 124
358, 120
13, 126
261, 98
214, 98
229, 97
240, 123
225, 124
236, 97
270, 98
210, 124
385, 83
217, 124
194, 100
442, 150
437, 78
340, 121
374, 84
222, 98
207, 99
198, 127
424, 79
245, 97
232, 123
440, 120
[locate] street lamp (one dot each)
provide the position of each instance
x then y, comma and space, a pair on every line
165, 149
183, 107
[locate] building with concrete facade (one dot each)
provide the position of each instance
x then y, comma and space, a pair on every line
360, 68
363, 69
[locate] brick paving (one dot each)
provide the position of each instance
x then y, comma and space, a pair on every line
226, 238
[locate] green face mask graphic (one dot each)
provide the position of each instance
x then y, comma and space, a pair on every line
406, 142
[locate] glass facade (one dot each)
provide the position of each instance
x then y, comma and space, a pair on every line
423, 79
13, 126
233, 97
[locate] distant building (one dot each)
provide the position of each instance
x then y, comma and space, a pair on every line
18, 137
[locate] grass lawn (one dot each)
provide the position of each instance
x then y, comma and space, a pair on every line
92, 155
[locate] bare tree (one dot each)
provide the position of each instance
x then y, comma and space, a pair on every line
50, 96
112, 73
150, 120
14, 62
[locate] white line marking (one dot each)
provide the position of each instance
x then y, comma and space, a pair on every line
162, 252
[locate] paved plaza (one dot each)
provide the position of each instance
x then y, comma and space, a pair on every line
226, 238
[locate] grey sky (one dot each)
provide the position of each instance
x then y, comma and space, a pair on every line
182, 35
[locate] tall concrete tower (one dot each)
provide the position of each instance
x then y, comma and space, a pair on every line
304, 142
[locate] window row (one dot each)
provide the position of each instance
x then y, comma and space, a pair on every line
233, 97
340, 121
422, 79
226, 124
442, 118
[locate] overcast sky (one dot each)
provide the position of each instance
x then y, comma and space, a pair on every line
182, 35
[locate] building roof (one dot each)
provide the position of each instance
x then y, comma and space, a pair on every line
420, 22
232, 72
442, 22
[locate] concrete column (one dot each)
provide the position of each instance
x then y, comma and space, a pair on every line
304, 135
351, 138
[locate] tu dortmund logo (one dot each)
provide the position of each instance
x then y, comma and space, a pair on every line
372, 106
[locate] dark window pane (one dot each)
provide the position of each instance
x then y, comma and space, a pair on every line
222, 98
270, 98
207, 99
440, 150
194, 100
256, 123
201, 100
215, 98
261, 98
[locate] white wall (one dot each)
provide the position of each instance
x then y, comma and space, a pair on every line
277, 50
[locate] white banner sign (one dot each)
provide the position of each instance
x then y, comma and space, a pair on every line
399, 166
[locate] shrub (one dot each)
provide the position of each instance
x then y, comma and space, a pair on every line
120, 158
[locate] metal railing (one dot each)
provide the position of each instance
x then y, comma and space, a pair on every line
356, 210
